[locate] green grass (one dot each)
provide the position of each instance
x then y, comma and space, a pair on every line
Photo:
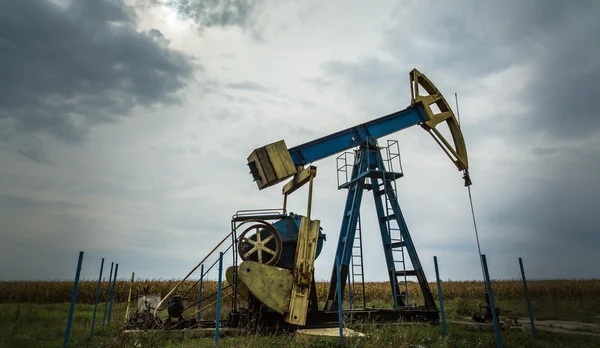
43, 325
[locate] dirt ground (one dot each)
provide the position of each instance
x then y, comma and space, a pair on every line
562, 326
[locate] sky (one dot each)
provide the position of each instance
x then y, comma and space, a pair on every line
125, 128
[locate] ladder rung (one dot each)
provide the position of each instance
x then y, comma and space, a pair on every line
389, 217
398, 245
408, 273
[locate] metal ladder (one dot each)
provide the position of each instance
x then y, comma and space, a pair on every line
393, 228
357, 269
356, 279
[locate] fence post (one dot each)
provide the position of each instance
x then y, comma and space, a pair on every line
350, 299
440, 295
112, 295
339, 298
73, 300
129, 298
488, 284
97, 299
200, 295
218, 318
107, 294
529, 309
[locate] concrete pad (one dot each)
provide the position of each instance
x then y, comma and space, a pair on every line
329, 332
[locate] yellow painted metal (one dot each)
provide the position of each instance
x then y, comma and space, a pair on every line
458, 153
273, 164
242, 289
306, 251
302, 177
269, 284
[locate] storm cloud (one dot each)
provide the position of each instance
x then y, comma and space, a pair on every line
211, 13
67, 69
124, 129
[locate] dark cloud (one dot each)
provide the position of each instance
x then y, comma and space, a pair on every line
551, 38
34, 151
65, 70
212, 13
247, 86
20, 204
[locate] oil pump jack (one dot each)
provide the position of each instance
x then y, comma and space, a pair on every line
274, 163
278, 249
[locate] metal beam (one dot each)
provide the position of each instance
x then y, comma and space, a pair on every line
351, 137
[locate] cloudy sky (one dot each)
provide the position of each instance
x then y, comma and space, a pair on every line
125, 127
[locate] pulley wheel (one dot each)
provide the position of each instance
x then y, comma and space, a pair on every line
264, 246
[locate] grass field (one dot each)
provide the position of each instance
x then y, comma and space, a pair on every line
34, 314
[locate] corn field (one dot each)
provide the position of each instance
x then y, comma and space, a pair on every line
60, 291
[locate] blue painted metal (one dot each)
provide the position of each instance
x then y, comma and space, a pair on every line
339, 299
107, 294
440, 295
346, 139
200, 294
73, 300
369, 163
97, 299
529, 309
288, 228
219, 285
488, 285
112, 293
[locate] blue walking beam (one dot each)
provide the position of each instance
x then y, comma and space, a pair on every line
529, 309
73, 300
97, 299
440, 295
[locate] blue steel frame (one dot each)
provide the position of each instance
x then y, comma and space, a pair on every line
369, 163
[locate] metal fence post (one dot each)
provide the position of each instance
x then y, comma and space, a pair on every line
440, 295
129, 298
488, 284
350, 299
200, 295
529, 309
218, 319
107, 294
73, 300
97, 299
112, 295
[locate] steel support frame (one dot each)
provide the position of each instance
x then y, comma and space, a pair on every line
369, 163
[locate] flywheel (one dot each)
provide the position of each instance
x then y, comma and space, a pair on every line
260, 242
